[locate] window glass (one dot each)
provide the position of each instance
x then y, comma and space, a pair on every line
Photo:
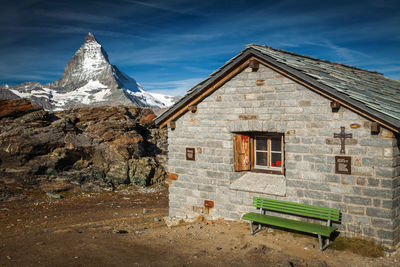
276, 159
276, 144
262, 159
261, 143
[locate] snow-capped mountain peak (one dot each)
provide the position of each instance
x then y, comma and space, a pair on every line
90, 38
94, 55
90, 79
90, 62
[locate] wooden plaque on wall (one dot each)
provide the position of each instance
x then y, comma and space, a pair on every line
342, 165
190, 153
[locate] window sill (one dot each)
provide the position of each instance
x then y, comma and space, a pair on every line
271, 184
278, 172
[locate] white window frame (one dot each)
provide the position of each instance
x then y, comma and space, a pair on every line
269, 153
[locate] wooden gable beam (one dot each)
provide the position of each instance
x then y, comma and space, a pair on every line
209, 90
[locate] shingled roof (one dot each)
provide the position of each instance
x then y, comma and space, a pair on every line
367, 91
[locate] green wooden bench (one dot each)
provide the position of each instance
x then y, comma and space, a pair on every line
291, 208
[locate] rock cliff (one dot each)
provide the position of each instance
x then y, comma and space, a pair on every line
6, 94
87, 147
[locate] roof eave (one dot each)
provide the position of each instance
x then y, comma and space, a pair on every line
333, 93
310, 82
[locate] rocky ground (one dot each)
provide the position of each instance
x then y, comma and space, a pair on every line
88, 149
71, 195
126, 228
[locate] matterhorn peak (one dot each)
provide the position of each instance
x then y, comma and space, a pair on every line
90, 79
90, 62
90, 38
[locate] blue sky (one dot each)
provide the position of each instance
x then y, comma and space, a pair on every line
169, 46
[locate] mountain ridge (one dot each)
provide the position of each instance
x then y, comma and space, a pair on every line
89, 79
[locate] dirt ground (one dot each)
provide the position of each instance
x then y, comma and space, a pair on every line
126, 228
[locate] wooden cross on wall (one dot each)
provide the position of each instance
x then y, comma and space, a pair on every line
342, 135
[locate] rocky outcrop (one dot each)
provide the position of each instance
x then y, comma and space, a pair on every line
16, 108
6, 94
104, 146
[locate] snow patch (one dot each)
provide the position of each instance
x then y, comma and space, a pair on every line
165, 99
93, 58
92, 92
41, 92
150, 99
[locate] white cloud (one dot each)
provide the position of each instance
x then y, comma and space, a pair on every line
79, 17
348, 56
173, 88
26, 77
171, 6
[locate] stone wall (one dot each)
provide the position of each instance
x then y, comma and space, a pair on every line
368, 199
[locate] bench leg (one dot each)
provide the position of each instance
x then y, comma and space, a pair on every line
252, 231
322, 247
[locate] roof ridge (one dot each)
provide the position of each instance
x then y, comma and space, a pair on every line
365, 92
316, 59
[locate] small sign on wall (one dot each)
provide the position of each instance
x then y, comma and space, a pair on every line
342, 165
190, 153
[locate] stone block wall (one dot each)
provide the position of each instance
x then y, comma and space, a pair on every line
368, 198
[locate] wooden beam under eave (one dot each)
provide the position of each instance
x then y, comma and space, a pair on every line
193, 109
171, 125
375, 128
335, 106
254, 65
209, 90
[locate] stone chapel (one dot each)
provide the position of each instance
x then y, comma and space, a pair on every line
285, 126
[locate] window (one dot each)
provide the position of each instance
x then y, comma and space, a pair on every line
260, 152
267, 152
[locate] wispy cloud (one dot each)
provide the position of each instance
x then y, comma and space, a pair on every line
144, 56
197, 69
366, 31
26, 77
60, 29
176, 40
170, 7
345, 54
191, 36
174, 88
390, 68
79, 17
168, 53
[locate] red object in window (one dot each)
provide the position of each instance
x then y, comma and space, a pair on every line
277, 163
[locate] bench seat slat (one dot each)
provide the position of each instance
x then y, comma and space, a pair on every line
296, 205
307, 227
267, 201
297, 208
307, 213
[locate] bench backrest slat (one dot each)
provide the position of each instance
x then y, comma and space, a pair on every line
297, 209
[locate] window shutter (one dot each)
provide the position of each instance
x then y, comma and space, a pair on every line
241, 144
